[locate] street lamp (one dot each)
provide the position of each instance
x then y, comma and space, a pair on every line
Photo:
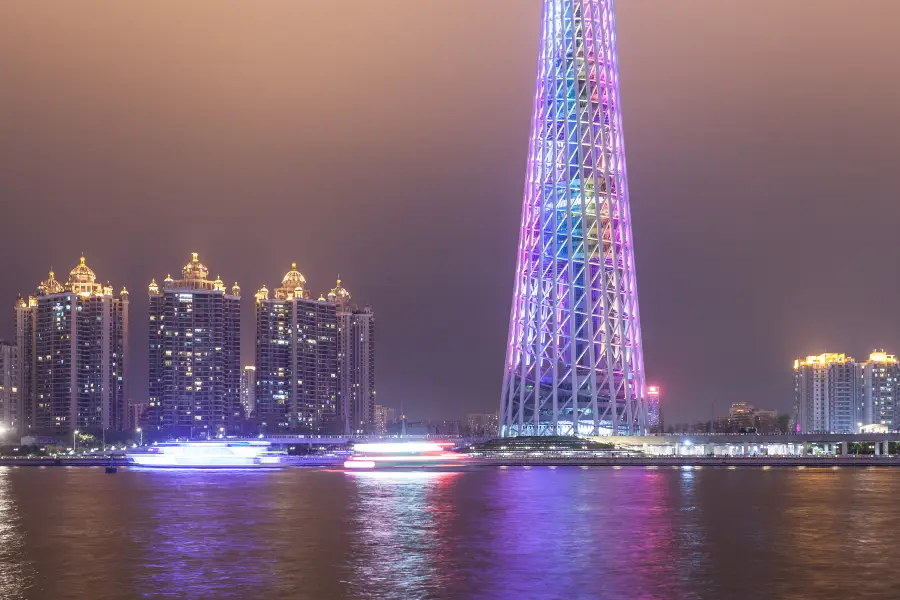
140, 431
74, 433
221, 432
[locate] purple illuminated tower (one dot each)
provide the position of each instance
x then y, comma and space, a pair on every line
574, 364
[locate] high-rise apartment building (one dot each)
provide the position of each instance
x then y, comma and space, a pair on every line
296, 358
9, 390
25, 360
827, 392
72, 340
880, 378
248, 390
356, 356
195, 353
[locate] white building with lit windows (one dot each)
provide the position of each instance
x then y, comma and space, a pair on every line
827, 393
880, 376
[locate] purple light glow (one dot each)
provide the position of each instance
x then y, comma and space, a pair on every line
574, 363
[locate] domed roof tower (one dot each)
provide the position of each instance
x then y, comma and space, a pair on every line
292, 285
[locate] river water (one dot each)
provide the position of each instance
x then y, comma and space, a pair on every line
492, 533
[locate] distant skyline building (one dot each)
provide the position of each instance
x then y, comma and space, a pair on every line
72, 343
195, 353
9, 391
654, 414
574, 362
450, 427
25, 361
248, 390
296, 358
742, 415
136, 412
385, 416
827, 392
880, 378
482, 424
356, 356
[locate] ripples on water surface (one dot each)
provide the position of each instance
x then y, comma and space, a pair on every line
515, 533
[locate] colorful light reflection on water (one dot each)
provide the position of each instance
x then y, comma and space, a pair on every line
539, 533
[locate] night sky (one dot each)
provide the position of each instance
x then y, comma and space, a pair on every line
386, 141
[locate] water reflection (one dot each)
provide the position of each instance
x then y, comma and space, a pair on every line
15, 573
540, 533
193, 547
402, 524
567, 533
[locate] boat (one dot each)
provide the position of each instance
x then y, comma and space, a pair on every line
213, 454
403, 454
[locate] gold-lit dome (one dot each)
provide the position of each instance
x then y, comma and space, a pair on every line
153, 288
218, 284
263, 293
235, 289
293, 279
124, 291
321, 297
292, 285
195, 269
20, 302
51, 285
168, 280
82, 273
338, 293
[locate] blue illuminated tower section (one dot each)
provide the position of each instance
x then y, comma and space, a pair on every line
574, 364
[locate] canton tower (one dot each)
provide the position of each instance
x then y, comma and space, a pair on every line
574, 364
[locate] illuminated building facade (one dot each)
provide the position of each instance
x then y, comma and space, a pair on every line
356, 357
654, 413
574, 361
248, 390
385, 416
296, 358
827, 392
880, 377
72, 340
9, 390
195, 352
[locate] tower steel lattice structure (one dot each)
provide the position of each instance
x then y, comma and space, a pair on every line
574, 364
